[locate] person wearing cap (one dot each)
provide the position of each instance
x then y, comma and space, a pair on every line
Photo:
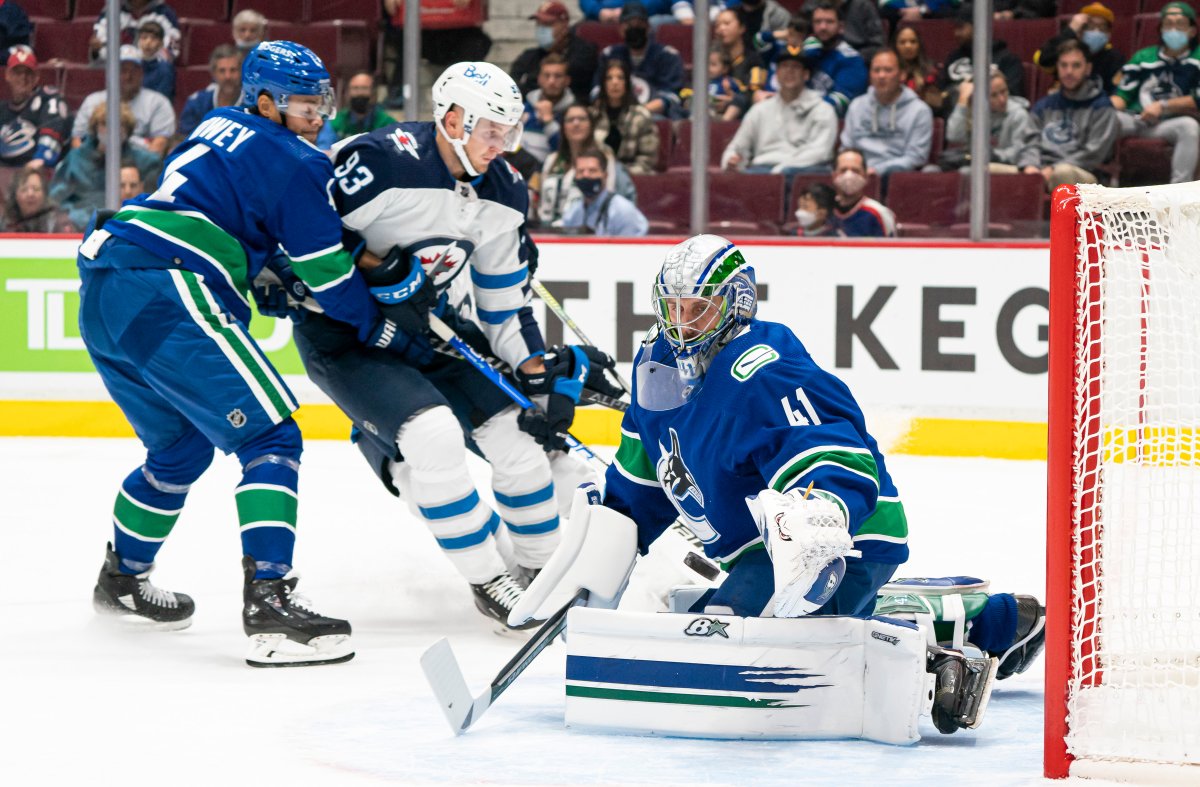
154, 118
958, 67
33, 122
1158, 90
554, 34
133, 14
890, 123
658, 65
1093, 26
158, 72
794, 130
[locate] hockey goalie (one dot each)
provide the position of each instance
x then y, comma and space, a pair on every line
765, 457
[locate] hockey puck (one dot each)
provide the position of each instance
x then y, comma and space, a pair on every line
701, 565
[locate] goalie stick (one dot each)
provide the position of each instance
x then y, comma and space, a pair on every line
450, 687
556, 307
447, 334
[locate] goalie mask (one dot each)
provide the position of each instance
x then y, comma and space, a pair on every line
704, 294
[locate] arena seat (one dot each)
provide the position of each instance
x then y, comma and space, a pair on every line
665, 201
343, 44
720, 132
288, 11
925, 201
79, 81
66, 40
1037, 82
937, 35
1024, 36
678, 36
601, 34
1142, 161
188, 81
743, 204
1145, 31
1118, 7
666, 142
215, 10
328, 10
937, 140
47, 9
199, 40
1017, 205
1153, 6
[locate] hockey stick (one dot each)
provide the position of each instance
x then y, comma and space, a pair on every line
450, 687
556, 307
447, 334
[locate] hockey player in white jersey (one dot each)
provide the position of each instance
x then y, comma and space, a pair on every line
736, 431
431, 202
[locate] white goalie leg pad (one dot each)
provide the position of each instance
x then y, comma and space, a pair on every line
522, 486
597, 553
570, 472
718, 676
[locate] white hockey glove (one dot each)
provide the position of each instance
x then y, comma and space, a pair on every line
808, 539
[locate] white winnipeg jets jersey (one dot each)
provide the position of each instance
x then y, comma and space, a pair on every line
393, 189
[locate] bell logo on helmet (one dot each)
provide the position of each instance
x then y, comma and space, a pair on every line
473, 73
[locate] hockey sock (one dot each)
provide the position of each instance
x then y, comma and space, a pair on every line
994, 629
435, 452
145, 511
267, 499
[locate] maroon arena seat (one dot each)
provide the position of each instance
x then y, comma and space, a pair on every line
665, 201
64, 40
80, 81
720, 132
1153, 6
738, 204
1019, 200
678, 36
344, 44
199, 40
1143, 161
666, 141
601, 34
47, 9
188, 81
1118, 7
925, 201
1145, 32
288, 11
216, 10
1024, 36
325, 10
937, 35
937, 140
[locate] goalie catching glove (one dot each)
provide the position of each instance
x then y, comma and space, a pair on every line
808, 539
568, 371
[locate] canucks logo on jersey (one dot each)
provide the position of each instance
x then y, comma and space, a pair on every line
681, 487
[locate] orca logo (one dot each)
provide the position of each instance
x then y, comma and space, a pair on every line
681, 487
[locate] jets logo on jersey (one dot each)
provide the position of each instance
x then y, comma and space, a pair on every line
405, 142
681, 487
450, 255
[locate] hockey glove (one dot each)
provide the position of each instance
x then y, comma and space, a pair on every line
400, 283
561, 385
415, 349
278, 291
600, 362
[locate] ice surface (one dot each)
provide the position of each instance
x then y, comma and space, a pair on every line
81, 703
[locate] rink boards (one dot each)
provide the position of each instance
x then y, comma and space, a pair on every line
944, 343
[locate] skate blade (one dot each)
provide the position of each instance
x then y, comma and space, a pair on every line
990, 682
131, 621
276, 650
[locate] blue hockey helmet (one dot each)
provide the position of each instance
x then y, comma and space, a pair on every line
283, 69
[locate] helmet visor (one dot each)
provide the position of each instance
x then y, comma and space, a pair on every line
690, 320
497, 135
309, 107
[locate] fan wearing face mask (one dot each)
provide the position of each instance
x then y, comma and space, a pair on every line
1093, 27
360, 115
854, 213
1157, 94
658, 65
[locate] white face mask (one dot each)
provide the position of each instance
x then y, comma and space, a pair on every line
544, 35
850, 183
806, 217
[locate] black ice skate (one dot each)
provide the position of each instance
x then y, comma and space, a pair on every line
964, 686
133, 599
1031, 638
498, 597
284, 629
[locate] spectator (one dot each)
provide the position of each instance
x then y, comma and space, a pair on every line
360, 115
958, 66
721, 87
839, 73
856, 215
622, 124
131, 181
1093, 26
862, 27
133, 13
771, 45
28, 209
14, 26
545, 105
158, 73
1157, 94
760, 16
554, 35
1013, 140
154, 119
249, 30
558, 192
441, 46
745, 65
814, 212
601, 212
897, 11
890, 124
917, 71
658, 12
33, 122
1076, 126
1004, 10
78, 184
225, 65
793, 131
658, 65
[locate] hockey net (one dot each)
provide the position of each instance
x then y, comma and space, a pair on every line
1123, 539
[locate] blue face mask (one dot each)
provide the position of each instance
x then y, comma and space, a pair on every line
1095, 40
544, 36
1175, 39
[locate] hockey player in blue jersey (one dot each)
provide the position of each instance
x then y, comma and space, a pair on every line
437, 207
765, 456
164, 312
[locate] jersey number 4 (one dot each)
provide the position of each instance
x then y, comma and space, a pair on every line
172, 178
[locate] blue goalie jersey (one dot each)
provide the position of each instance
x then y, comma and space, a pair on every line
766, 417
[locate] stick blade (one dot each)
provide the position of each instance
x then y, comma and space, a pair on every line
449, 687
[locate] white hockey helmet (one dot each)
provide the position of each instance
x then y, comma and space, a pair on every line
484, 93
704, 292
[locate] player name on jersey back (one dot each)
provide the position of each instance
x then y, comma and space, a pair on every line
223, 132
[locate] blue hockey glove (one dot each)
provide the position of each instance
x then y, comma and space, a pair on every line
278, 291
400, 284
415, 349
561, 384
599, 362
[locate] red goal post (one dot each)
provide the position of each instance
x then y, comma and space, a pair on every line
1123, 485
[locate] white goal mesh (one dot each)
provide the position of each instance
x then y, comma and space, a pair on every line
1134, 682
